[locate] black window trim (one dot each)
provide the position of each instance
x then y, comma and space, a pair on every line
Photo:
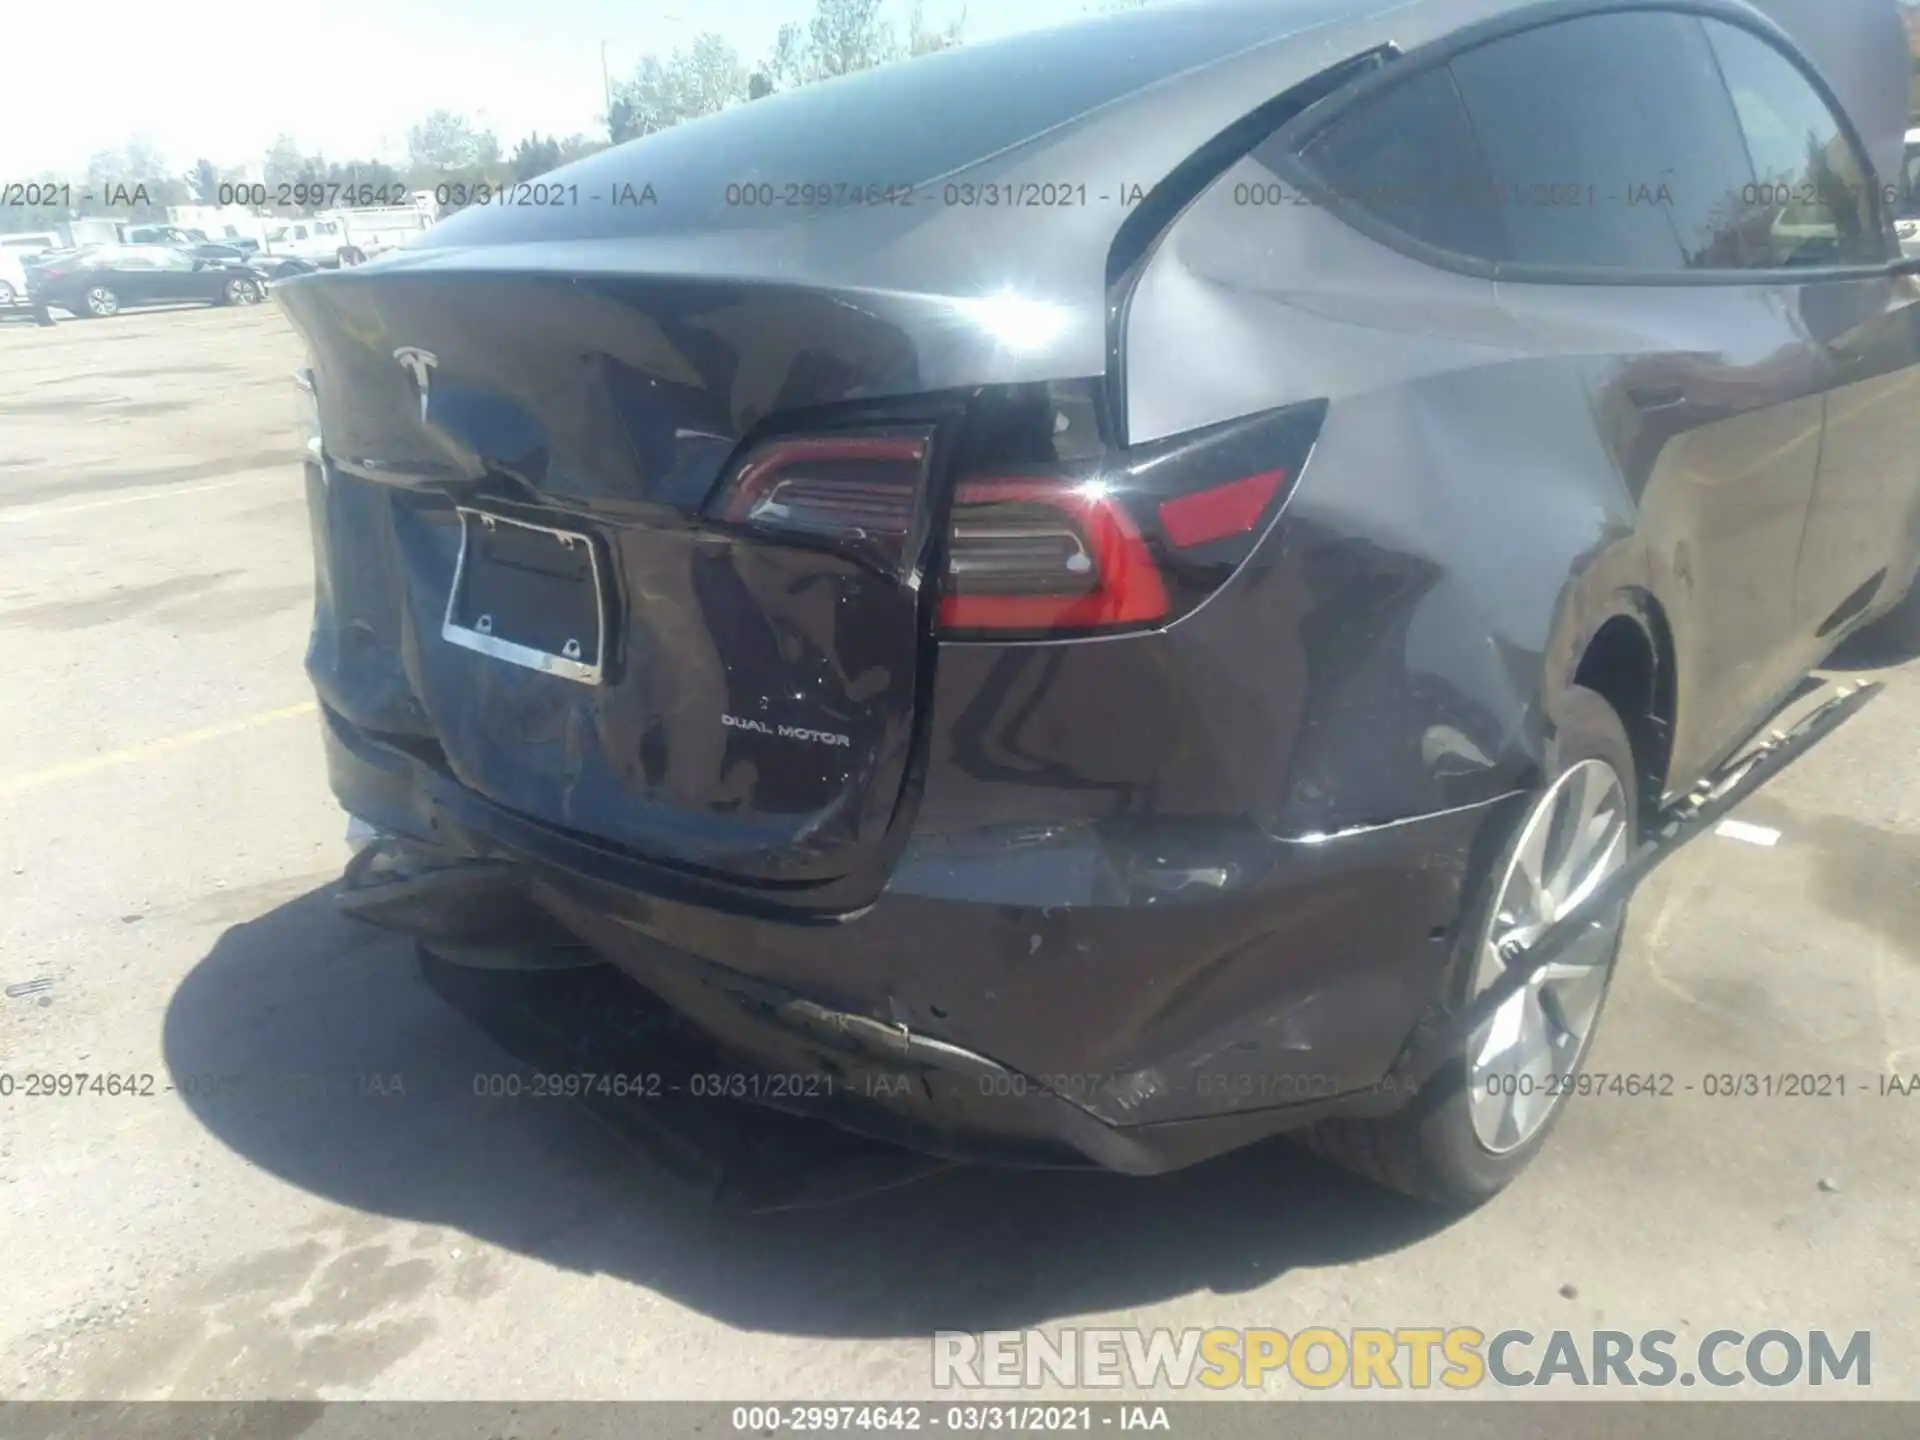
1293, 137
1149, 222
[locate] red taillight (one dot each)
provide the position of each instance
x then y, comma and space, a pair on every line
1220, 511
1054, 531
1046, 554
52, 272
858, 490
1057, 553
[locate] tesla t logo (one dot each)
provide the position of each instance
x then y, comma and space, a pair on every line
419, 364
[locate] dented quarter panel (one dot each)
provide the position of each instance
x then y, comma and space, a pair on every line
1214, 869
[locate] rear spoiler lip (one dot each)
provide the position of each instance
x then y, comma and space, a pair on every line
902, 341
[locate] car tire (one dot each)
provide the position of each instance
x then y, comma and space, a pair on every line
98, 303
1430, 1147
351, 255
240, 291
7, 294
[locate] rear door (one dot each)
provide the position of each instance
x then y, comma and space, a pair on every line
127, 270
1831, 223
177, 275
1619, 164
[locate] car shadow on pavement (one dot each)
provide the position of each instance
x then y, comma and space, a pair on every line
1872, 649
313, 1048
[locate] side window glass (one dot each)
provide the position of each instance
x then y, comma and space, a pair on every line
1810, 202
1611, 143
1409, 158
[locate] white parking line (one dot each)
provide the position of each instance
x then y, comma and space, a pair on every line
1752, 834
166, 745
41, 512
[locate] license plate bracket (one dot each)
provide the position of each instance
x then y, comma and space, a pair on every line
528, 594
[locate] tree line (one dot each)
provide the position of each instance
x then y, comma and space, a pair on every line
709, 75
447, 149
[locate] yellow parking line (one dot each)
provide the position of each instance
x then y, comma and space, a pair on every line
38, 512
151, 749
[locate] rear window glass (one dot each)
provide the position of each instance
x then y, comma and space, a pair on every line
1410, 158
1609, 142
1623, 119
1810, 203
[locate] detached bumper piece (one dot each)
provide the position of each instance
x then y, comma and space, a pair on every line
470, 917
762, 1099
1694, 815
597, 1022
477, 908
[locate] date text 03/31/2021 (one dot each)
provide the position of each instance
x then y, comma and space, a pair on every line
954, 1419
795, 195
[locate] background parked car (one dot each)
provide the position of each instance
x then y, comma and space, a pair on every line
274, 267
106, 279
15, 251
159, 235
1907, 208
245, 245
323, 242
282, 267
242, 244
347, 237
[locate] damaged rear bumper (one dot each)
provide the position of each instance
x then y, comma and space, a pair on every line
1063, 998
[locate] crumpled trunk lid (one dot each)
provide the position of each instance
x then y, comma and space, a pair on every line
519, 578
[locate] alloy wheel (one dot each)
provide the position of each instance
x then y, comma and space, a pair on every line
1521, 1060
102, 301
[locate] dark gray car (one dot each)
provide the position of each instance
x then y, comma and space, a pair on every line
103, 280
1116, 578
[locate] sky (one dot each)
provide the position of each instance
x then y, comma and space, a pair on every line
347, 77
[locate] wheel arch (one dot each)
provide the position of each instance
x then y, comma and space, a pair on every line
1625, 654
